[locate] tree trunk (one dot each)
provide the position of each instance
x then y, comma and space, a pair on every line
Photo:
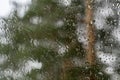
90, 55
66, 65
90, 33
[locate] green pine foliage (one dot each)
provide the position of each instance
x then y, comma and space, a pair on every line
23, 33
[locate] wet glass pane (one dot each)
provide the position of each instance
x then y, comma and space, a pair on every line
59, 39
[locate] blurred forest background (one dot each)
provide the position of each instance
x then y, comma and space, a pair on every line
47, 40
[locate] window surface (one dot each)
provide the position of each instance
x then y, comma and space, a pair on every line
60, 40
